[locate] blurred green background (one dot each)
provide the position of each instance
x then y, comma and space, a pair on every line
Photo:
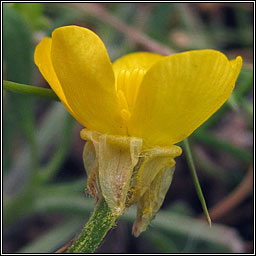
45, 204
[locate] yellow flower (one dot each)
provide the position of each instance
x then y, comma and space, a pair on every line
134, 111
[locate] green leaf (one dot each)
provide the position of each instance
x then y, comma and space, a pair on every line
17, 46
192, 169
54, 238
17, 57
47, 135
15, 181
33, 13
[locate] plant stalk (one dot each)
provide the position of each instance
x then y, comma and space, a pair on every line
195, 179
101, 221
30, 90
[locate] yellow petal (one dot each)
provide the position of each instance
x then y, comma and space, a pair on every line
85, 72
141, 60
179, 93
129, 72
236, 66
42, 58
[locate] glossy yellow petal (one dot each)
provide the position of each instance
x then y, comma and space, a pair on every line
236, 66
85, 72
42, 58
181, 92
141, 60
129, 72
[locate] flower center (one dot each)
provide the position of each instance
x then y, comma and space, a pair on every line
127, 86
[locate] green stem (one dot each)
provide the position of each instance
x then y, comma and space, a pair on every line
195, 178
95, 229
30, 90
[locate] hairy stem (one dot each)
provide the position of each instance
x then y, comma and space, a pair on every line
101, 221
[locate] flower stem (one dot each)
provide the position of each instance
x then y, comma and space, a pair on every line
195, 179
95, 229
30, 90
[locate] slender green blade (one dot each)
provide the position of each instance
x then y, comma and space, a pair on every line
30, 90
195, 178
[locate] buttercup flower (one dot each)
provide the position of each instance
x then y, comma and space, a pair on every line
134, 111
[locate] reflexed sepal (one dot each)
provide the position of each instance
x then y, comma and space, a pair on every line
125, 173
91, 164
112, 165
151, 162
152, 200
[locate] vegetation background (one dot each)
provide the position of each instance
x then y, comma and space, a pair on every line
44, 199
